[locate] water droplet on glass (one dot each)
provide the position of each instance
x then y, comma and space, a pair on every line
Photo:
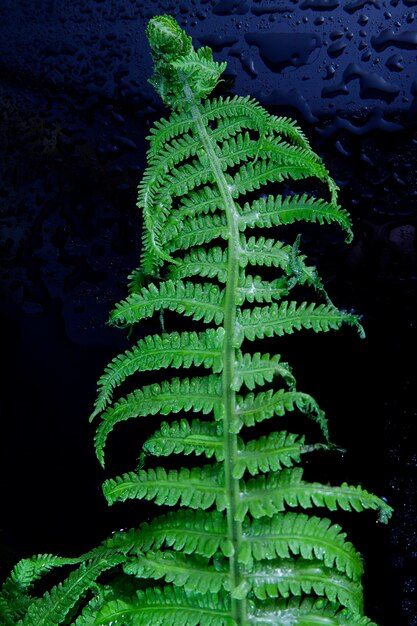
395, 63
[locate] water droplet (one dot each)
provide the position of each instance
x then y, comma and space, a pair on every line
356, 5
320, 5
216, 41
336, 49
395, 63
232, 7
388, 37
279, 50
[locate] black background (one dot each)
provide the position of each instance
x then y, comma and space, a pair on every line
76, 109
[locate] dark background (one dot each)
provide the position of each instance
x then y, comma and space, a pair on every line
76, 109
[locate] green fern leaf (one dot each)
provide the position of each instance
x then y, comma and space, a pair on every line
187, 531
270, 495
201, 262
289, 128
89, 612
14, 595
261, 251
287, 317
195, 232
170, 605
305, 612
234, 150
191, 532
272, 452
237, 111
256, 369
282, 152
183, 437
55, 605
291, 534
201, 302
253, 175
255, 408
289, 577
230, 552
197, 394
156, 352
9, 612
250, 114
191, 572
197, 203
198, 488
275, 211
188, 177
254, 289
28, 571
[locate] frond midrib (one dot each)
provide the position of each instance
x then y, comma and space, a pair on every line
229, 395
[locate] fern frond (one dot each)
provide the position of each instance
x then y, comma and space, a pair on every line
253, 115
197, 394
55, 605
151, 188
265, 404
289, 128
256, 369
15, 599
197, 203
231, 552
195, 232
282, 152
253, 175
187, 531
184, 437
188, 177
291, 534
254, 289
234, 554
304, 612
201, 262
278, 210
285, 318
198, 488
191, 572
201, 302
12, 608
89, 612
261, 251
270, 452
156, 352
191, 532
169, 605
28, 571
297, 577
268, 495
232, 114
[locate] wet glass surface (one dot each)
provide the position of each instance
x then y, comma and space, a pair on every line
76, 109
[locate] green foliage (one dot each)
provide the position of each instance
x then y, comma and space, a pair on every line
234, 545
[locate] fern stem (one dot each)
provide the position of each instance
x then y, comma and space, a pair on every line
232, 486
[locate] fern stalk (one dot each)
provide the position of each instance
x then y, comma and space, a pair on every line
232, 486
